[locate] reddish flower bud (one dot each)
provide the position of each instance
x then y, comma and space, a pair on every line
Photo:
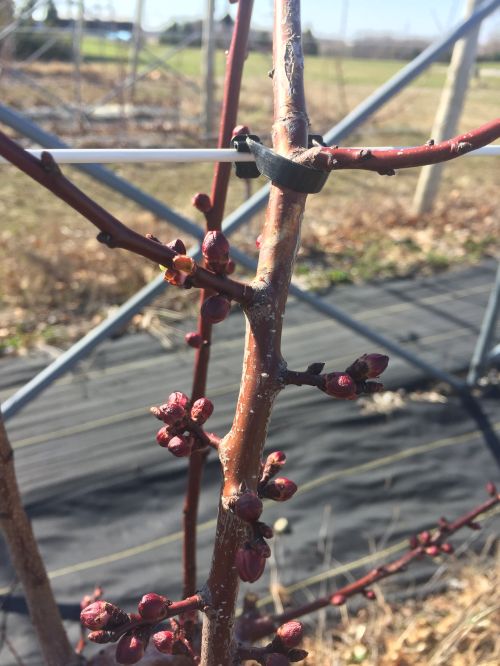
274, 462
173, 413
163, 641
202, 410
248, 507
276, 659
202, 202
178, 398
194, 340
424, 537
280, 489
338, 599
215, 249
102, 615
249, 563
368, 366
215, 308
163, 436
447, 548
153, 606
177, 246
340, 385
262, 548
297, 655
230, 267
130, 649
258, 241
432, 551
240, 129
369, 594
290, 633
180, 446
101, 636
491, 489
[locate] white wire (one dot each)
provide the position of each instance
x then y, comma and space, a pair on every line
121, 155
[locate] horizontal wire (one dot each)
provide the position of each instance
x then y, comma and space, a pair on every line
124, 155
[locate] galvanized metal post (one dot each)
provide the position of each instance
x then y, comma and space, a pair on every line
481, 354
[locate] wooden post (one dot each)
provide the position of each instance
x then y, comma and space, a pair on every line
208, 54
448, 112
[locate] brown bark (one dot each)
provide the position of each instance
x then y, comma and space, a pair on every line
263, 367
29, 566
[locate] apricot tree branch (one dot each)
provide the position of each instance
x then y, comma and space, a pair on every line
113, 233
386, 161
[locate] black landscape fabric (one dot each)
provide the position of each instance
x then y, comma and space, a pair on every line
106, 501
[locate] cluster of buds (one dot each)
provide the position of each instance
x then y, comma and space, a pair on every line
351, 383
251, 557
182, 432
183, 265
133, 631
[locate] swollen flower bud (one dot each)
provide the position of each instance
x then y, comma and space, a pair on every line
153, 606
447, 548
183, 263
280, 489
194, 340
163, 436
290, 633
202, 202
180, 446
368, 366
338, 599
215, 249
230, 267
249, 563
240, 129
202, 410
432, 551
101, 636
178, 398
102, 615
164, 641
340, 385
172, 413
248, 507
177, 246
258, 241
215, 308
130, 649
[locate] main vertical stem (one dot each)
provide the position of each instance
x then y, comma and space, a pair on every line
230, 102
28, 564
241, 450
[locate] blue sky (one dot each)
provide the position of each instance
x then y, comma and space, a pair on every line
425, 18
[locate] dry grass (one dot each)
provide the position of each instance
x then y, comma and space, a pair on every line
458, 627
56, 282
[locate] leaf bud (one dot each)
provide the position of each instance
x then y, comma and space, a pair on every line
340, 385
184, 263
248, 507
153, 606
102, 615
215, 249
280, 489
249, 563
368, 366
163, 641
201, 202
193, 339
290, 633
297, 654
130, 649
174, 277
265, 530
202, 410
262, 548
180, 446
215, 308
177, 246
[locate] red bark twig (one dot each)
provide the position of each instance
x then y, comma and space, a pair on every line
427, 543
230, 102
386, 161
113, 233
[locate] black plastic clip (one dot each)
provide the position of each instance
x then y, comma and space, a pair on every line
314, 140
285, 172
245, 169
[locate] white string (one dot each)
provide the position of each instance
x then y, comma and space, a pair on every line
122, 155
